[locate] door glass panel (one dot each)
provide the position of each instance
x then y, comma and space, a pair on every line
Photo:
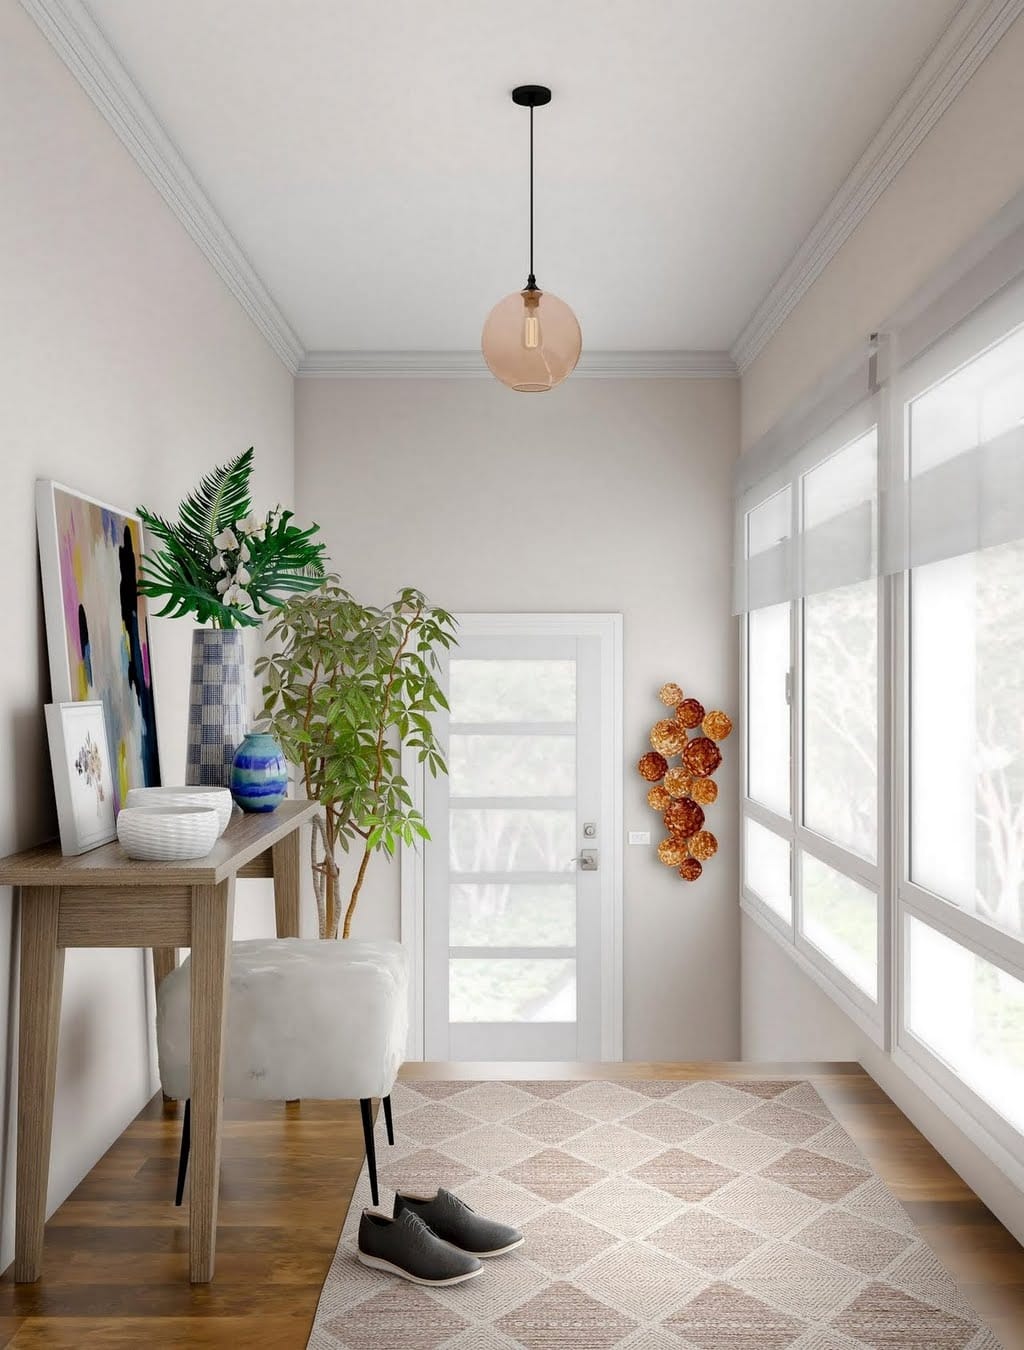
970, 1014
512, 766
498, 989
512, 691
506, 839
512, 914
768, 720
841, 918
767, 869
840, 686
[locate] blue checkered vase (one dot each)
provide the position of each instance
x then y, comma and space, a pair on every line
218, 708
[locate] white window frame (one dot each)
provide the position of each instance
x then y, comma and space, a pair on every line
899, 898
871, 1015
979, 1121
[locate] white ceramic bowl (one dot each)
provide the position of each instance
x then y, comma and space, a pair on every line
219, 798
167, 833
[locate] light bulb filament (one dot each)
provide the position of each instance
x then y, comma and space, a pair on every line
531, 332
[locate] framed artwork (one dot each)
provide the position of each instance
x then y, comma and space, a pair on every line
97, 626
82, 780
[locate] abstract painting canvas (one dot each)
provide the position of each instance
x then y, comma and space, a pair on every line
82, 781
97, 628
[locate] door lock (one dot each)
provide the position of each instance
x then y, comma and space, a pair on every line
587, 859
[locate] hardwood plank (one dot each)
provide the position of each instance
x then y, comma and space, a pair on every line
42, 976
246, 838
212, 923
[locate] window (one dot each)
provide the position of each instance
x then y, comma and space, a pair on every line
812, 689
969, 1014
767, 868
886, 852
961, 894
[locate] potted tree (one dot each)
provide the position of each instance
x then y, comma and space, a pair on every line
345, 686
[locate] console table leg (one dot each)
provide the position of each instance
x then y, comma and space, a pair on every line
212, 915
286, 885
42, 978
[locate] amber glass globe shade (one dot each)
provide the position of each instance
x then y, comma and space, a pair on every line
531, 341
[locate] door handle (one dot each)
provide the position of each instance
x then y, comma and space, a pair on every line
587, 859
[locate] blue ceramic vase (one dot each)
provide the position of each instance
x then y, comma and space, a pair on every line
259, 774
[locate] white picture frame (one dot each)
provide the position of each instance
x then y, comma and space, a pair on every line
82, 779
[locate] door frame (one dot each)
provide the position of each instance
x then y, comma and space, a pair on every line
608, 628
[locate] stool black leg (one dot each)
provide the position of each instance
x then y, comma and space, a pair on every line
186, 1143
386, 1103
371, 1153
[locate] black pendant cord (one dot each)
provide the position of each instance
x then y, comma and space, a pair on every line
531, 281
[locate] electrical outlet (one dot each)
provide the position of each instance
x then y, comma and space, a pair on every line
639, 836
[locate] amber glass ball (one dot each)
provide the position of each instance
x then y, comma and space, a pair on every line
704, 790
701, 757
683, 818
672, 851
703, 845
531, 341
652, 766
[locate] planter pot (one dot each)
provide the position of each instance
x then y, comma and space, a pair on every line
218, 712
259, 777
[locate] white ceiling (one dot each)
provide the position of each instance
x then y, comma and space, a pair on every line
369, 162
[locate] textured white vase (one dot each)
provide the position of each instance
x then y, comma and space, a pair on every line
167, 833
215, 798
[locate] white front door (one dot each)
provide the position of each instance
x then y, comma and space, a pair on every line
521, 875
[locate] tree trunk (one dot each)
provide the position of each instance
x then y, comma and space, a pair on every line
353, 898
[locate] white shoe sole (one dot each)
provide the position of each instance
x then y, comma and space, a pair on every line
375, 1263
498, 1251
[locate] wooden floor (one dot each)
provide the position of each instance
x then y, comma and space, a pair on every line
115, 1261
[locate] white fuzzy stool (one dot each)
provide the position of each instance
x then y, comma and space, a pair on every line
305, 1018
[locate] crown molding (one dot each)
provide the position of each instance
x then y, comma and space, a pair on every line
471, 366
974, 31
84, 49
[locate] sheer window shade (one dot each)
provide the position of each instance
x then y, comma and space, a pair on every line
928, 467
819, 530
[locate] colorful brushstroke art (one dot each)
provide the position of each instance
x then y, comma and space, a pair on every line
97, 627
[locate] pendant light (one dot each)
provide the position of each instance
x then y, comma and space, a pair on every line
531, 339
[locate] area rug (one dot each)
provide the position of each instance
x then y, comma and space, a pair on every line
658, 1216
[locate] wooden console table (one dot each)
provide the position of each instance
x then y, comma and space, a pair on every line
104, 899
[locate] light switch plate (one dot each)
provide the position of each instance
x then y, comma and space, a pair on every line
639, 836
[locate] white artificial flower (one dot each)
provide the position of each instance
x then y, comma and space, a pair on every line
242, 577
217, 563
226, 539
249, 525
223, 585
236, 597
244, 553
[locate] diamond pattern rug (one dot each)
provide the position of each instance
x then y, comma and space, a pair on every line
658, 1216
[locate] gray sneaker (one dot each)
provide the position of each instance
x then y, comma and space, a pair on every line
452, 1219
405, 1246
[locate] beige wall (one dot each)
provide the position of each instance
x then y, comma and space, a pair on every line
603, 495
126, 370
970, 165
